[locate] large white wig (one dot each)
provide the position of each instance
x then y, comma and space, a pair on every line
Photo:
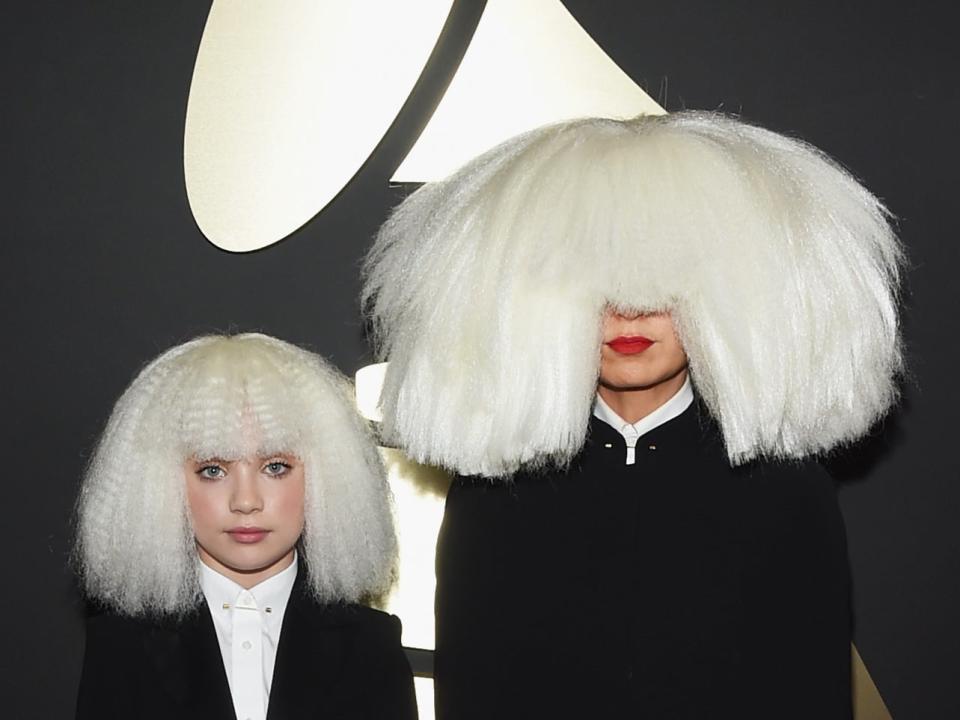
486, 290
135, 546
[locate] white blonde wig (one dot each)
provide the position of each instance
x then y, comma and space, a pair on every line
135, 546
486, 291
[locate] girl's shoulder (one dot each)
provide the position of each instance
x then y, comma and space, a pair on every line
353, 615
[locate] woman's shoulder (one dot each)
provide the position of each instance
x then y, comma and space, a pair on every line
807, 472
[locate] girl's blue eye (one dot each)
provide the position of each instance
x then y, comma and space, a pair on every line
211, 472
276, 468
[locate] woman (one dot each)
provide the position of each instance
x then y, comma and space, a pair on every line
627, 337
232, 518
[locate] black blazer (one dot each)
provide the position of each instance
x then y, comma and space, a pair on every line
677, 587
337, 661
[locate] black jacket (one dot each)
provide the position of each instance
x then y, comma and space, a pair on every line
338, 661
677, 587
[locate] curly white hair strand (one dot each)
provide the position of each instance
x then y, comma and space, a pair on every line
135, 547
486, 290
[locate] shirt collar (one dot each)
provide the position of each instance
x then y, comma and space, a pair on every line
222, 592
668, 411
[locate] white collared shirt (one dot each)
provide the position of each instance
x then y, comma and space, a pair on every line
248, 629
633, 431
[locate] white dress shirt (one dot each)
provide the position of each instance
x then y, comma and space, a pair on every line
248, 629
633, 431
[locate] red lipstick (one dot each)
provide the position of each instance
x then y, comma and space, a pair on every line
630, 344
247, 535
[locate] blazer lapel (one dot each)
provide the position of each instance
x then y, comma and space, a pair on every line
310, 658
190, 668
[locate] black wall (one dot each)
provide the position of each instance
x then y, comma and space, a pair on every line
103, 267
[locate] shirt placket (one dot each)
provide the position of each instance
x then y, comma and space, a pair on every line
247, 659
630, 436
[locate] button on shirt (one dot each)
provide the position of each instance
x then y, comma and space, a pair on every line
633, 431
248, 629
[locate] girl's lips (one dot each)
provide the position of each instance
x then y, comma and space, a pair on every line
248, 534
630, 344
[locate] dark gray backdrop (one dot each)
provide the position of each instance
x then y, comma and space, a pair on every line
103, 267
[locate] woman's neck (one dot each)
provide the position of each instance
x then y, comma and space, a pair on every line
634, 404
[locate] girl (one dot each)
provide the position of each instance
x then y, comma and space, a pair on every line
233, 516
